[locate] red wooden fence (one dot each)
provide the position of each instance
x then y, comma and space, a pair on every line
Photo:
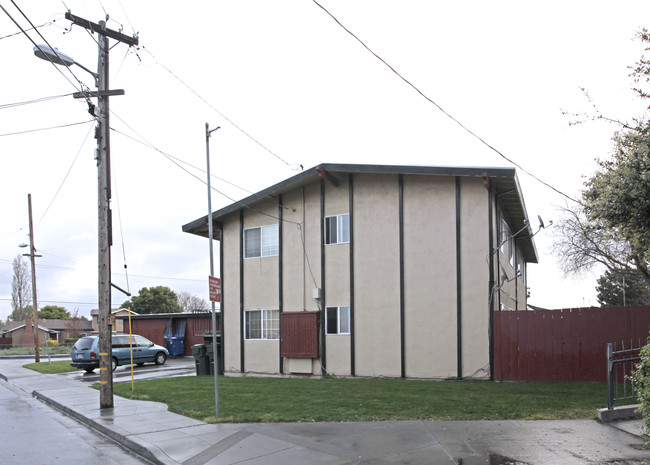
562, 345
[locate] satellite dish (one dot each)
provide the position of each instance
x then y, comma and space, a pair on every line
541, 222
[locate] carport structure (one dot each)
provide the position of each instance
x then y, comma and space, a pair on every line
191, 327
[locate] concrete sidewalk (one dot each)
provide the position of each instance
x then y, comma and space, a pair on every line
148, 429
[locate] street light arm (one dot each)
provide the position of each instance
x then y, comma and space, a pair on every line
95, 75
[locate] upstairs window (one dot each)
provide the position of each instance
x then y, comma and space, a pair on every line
261, 242
337, 229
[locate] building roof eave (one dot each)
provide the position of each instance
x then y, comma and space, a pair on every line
503, 182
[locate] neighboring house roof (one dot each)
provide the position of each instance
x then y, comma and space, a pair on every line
42, 328
503, 182
51, 325
64, 325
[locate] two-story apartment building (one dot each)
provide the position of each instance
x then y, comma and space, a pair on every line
371, 270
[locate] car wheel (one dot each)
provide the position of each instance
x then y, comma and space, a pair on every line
160, 358
140, 364
113, 364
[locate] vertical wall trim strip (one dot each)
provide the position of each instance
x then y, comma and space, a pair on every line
402, 328
351, 213
459, 287
323, 355
280, 278
491, 246
241, 290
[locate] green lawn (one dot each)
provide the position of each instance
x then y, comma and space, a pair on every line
335, 399
56, 366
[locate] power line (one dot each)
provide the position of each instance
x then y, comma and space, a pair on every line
30, 29
46, 129
175, 162
294, 166
81, 84
29, 102
64, 178
495, 150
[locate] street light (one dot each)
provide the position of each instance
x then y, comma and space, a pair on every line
45, 52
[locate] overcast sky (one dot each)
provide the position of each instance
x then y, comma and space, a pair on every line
289, 86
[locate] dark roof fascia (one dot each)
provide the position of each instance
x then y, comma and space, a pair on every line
501, 179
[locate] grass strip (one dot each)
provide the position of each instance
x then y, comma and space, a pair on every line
51, 368
244, 400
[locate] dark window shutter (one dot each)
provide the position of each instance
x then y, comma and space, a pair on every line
299, 332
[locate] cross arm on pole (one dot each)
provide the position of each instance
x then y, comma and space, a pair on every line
96, 27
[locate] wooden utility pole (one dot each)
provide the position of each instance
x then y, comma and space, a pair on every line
104, 199
32, 255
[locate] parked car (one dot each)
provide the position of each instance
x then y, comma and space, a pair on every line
85, 352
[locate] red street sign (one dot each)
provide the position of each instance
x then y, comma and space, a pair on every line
215, 289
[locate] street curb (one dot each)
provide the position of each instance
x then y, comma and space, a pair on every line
156, 457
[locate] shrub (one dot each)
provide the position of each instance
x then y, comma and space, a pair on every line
52, 343
70, 340
642, 380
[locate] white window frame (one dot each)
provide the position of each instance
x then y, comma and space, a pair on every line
340, 310
342, 229
268, 331
269, 241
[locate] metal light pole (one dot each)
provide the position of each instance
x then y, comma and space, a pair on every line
32, 254
215, 352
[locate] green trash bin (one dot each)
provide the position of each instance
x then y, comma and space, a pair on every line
210, 357
201, 360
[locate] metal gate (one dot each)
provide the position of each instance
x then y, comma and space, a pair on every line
621, 362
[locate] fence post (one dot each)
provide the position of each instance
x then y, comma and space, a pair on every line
610, 366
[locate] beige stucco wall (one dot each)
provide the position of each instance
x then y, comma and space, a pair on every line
475, 278
293, 260
261, 289
430, 276
230, 290
262, 356
301, 260
338, 354
376, 270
